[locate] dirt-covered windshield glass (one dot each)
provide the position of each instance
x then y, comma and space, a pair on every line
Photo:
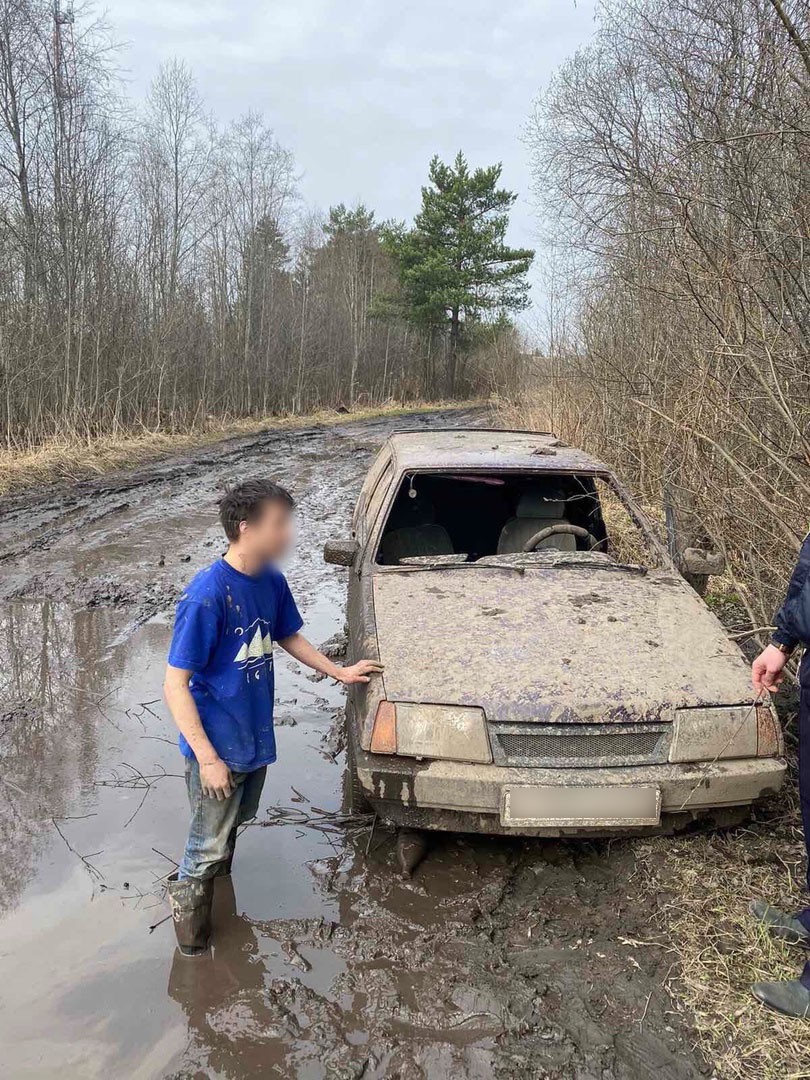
513, 520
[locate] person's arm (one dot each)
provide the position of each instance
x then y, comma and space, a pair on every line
792, 628
305, 653
215, 776
767, 670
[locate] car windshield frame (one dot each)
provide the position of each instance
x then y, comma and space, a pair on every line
376, 529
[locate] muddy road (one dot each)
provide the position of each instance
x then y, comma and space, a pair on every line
498, 958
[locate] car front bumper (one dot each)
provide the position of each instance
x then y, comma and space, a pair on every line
458, 796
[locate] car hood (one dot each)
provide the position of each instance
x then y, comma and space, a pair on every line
554, 645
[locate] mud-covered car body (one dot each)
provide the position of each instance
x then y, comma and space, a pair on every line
551, 691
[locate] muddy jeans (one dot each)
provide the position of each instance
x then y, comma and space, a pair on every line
212, 820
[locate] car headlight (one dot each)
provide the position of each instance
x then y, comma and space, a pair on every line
725, 731
452, 732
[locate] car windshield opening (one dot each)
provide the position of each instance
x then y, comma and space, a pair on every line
447, 519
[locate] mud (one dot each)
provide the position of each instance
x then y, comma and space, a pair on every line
496, 958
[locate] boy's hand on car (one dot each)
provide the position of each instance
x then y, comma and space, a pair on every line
216, 780
766, 670
359, 672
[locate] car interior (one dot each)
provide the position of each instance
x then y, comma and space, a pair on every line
476, 516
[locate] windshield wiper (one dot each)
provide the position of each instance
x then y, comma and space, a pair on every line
628, 568
519, 568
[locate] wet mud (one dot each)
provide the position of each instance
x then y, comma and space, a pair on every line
495, 957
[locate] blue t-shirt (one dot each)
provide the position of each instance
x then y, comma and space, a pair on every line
224, 631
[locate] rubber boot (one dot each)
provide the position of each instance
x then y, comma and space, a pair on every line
191, 901
791, 998
780, 925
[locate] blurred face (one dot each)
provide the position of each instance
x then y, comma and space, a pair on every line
270, 534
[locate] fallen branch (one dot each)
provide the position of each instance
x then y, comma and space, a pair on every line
323, 821
93, 871
137, 781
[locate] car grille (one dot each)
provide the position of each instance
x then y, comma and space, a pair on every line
569, 746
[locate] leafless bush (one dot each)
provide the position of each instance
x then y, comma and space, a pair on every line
156, 270
673, 158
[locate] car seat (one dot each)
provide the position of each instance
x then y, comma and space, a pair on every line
412, 531
414, 540
534, 513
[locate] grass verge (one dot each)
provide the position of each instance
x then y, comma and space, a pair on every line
699, 886
72, 459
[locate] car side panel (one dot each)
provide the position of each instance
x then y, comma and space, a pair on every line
363, 698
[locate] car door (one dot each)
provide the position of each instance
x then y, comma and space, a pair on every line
362, 641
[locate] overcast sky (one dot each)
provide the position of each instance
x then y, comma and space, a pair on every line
364, 92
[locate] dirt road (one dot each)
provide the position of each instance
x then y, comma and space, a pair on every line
499, 958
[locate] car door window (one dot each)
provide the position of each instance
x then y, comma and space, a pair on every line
370, 483
377, 497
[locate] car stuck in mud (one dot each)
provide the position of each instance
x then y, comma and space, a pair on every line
547, 669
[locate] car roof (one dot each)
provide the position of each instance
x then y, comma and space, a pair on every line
487, 448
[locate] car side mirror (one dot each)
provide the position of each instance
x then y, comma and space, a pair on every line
697, 562
340, 552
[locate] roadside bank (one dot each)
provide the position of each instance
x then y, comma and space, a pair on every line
71, 460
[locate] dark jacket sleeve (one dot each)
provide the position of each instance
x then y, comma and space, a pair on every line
793, 618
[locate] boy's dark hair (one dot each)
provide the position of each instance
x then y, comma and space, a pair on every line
243, 502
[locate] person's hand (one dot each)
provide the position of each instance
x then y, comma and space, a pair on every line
216, 780
766, 670
359, 672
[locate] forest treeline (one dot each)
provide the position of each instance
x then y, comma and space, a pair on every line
158, 269
672, 159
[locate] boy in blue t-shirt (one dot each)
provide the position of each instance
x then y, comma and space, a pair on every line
219, 688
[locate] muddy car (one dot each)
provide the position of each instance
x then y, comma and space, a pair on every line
547, 669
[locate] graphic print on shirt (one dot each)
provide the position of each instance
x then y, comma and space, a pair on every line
256, 647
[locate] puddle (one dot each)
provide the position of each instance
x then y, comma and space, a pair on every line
498, 958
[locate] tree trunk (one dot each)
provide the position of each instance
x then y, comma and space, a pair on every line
452, 352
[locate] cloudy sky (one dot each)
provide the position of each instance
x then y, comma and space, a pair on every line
364, 92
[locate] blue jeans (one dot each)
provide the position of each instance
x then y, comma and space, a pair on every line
210, 841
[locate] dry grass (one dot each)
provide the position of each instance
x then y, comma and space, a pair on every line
72, 459
701, 886
627, 542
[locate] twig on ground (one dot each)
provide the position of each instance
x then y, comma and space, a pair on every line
137, 780
643, 1016
324, 821
743, 635
93, 871
168, 858
371, 834
131, 818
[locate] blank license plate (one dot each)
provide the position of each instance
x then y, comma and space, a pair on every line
552, 806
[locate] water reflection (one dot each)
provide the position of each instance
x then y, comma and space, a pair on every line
220, 991
48, 682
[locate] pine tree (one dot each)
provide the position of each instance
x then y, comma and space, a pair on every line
454, 267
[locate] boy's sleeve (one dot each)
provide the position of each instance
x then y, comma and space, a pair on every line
793, 618
288, 617
196, 633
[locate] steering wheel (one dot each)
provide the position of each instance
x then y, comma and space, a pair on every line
563, 527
